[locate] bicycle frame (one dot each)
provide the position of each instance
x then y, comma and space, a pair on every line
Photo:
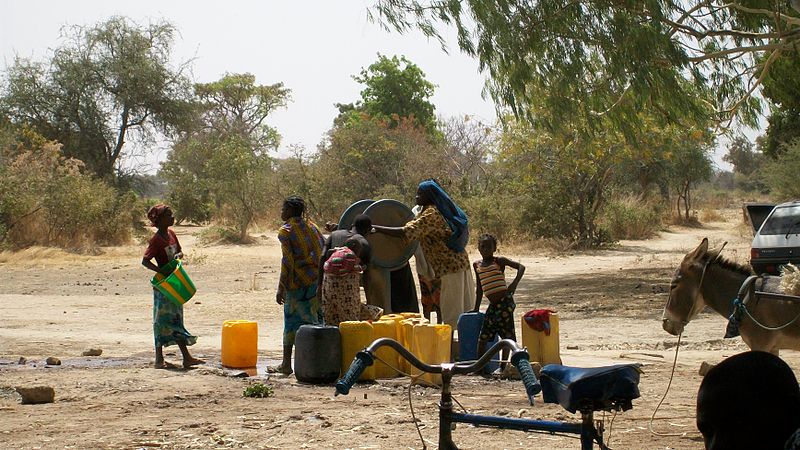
586, 429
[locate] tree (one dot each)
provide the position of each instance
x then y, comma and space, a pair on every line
782, 89
108, 84
367, 157
558, 181
782, 173
742, 156
468, 145
607, 61
690, 164
227, 151
395, 88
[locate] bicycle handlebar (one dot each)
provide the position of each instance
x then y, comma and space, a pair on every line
360, 363
519, 358
521, 362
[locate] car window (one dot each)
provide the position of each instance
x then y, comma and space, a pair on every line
782, 221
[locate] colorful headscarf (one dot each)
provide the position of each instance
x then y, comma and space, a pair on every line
453, 215
155, 212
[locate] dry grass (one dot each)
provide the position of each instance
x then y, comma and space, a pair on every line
711, 215
51, 256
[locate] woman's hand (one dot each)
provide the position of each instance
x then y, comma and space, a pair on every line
280, 296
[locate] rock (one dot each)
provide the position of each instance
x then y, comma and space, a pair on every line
52, 361
36, 394
93, 352
705, 367
573, 347
22, 360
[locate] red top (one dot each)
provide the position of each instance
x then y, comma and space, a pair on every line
163, 250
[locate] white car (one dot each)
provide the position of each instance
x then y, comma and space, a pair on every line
777, 241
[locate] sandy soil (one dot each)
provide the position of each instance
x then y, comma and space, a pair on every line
57, 304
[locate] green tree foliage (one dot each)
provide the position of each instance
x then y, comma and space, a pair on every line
224, 159
106, 85
782, 173
782, 88
559, 180
184, 170
742, 156
370, 158
395, 88
690, 164
684, 61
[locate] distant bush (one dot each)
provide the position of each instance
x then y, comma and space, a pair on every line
630, 217
710, 215
46, 199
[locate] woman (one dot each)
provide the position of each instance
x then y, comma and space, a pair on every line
442, 231
301, 247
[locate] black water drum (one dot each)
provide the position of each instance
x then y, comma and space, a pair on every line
318, 354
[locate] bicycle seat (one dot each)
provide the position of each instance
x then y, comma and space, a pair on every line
594, 389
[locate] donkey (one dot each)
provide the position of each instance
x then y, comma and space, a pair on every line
706, 279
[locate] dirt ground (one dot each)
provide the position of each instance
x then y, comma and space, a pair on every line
58, 304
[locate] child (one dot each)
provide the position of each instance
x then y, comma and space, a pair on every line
341, 297
491, 282
168, 326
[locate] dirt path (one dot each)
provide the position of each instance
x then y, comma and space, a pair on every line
55, 304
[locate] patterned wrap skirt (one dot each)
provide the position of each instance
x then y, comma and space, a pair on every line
168, 326
341, 300
300, 307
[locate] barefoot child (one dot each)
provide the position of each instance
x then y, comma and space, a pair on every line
168, 326
491, 282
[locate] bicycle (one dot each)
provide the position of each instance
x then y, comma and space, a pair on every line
608, 388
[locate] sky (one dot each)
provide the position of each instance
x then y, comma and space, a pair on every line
314, 47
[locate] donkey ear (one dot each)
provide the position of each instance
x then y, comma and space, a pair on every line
714, 252
700, 251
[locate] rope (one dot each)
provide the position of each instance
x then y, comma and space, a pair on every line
744, 307
610, 427
674, 364
415, 379
413, 416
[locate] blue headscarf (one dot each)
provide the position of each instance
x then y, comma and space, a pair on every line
453, 215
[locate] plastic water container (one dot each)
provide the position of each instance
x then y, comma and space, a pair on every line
431, 344
318, 354
412, 315
395, 317
406, 337
469, 331
387, 329
355, 336
542, 348
239, 343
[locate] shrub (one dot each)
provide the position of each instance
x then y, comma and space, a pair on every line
630, 217
46, 199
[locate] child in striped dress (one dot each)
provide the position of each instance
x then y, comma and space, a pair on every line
491, 282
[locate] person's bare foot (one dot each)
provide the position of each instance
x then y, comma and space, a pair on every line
280, 369
187, 363
164, 365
